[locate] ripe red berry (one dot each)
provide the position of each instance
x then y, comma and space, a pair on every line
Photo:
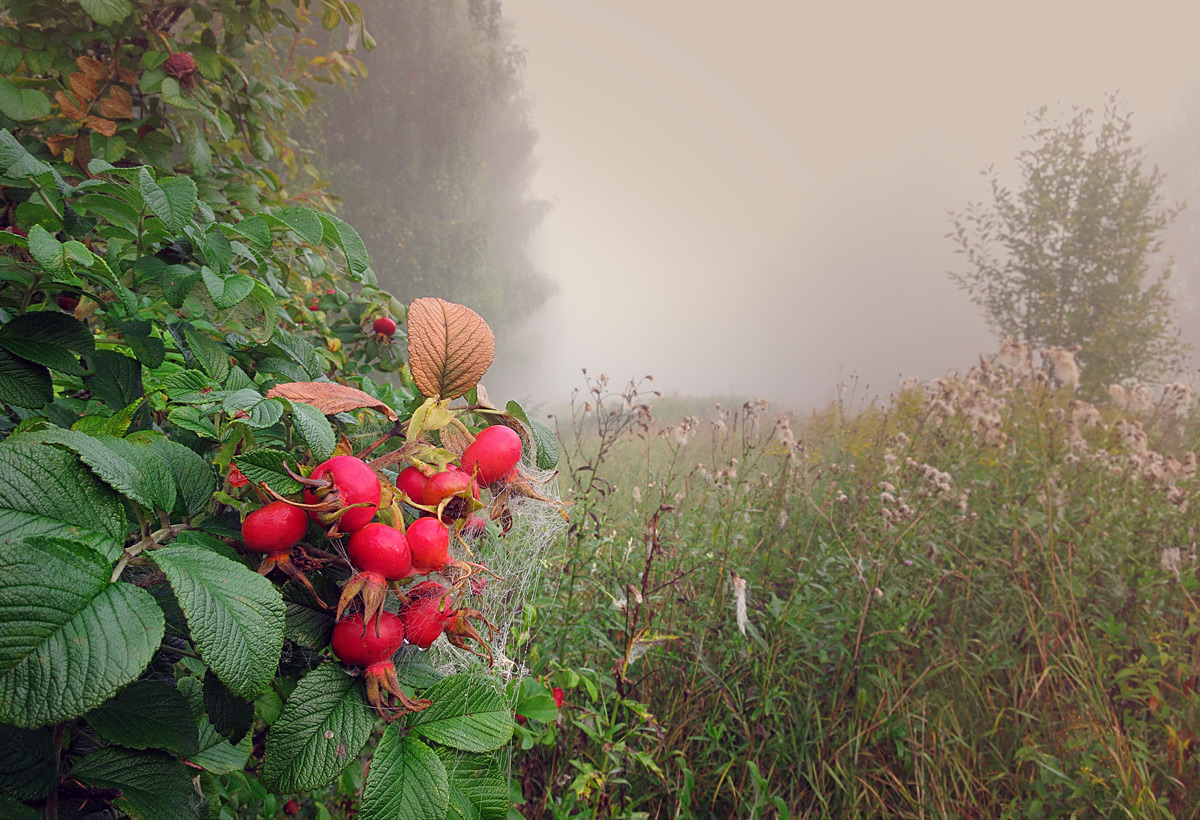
380, 549
67, 301
558, 695
291, 808
429, 545
411, 482
359, 644
352, 482
427, 614
450, 482
493, 453
274, 528
384, 325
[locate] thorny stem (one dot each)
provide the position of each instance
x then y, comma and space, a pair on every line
155, 539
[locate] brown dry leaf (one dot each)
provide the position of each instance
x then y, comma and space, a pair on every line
93, 68
83, 150
450, 347
117, 104
69, 106
59, 142
105, 127
329, 398
484, 400
84, 86
127, 76
456, 437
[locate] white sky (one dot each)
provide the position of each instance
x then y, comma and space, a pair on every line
752, 197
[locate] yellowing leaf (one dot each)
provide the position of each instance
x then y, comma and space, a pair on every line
450, 347
329, 398
117, 105
83, 85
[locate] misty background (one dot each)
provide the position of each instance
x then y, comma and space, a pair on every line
748, 199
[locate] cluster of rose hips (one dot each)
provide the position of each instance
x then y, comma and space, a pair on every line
343, 495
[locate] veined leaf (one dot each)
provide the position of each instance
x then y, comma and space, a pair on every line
450, 347
64, 621
153, 785
406, 779
468, 713
478, 788
148, 714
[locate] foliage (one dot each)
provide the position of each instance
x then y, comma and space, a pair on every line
1067, 259
974, 599
186, 331
437, 149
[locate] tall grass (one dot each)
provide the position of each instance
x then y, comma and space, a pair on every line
974, 599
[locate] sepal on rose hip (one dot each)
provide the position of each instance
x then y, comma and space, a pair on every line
341, 493
384, 692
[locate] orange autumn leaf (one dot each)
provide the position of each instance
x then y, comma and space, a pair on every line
117, 104
84, 86
450, 347
58, 143
330, 398
92, 67
127, 76
101, 125
69, 107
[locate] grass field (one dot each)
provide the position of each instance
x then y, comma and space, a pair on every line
975, 598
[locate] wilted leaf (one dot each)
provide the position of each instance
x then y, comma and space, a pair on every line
450, 347
329, 398
68, 106
83, 85
106, 127
127, 76
117, 104
92, 67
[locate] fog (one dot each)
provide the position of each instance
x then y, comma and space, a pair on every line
753, 198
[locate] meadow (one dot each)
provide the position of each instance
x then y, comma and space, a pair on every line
972, 598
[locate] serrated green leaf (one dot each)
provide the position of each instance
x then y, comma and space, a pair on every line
114, 425
107, 12
312, 424
235, 615
193, 419
194, 477
199, 154
178, 282
478, 789
546, 453
308, 623
192, 387
216, 754
211, 356
265, 466
132, 470
229, 290
65, 621
22, 104
15, 161
414, 669
49, 339
212, 543
48, 252
153, 785
304, 221
173, 200
541, 708
468, 713
406, 780
148, 714
322, 729
230, 715
28, 764
116, 379
339, 234
146, 347
255, 229
24, 383
45, 493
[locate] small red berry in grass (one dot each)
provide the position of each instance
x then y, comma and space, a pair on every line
558, 695
493, 454
384, 326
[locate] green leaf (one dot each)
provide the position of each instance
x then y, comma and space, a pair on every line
414, 669
65, 622
263, 412
107, 12
304, 221
544, 440
153, 785
147, 347
406, 780
216, 754
48, 252
541, 708
49, 338
178, 281
340, 235
12, 809
315, 428
235, 615
23, 383
229, 290
173, 200
193, 475
116, 378
132, 470
265, 466
468, 713
15, 161
230, 715
199, 154
256, 229
308, 623
478, 789
22, 104
114, 425
28, 764
148, 714
322, 729
211, 356
46, 494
